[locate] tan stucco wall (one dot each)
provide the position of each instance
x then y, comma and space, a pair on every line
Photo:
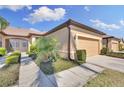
62, 37
76, 31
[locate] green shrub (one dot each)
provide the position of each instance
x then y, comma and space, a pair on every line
33, 49
16, 53
81, 56
104, 51
12, 59
32, 55
47, 51
2, 51
115, 54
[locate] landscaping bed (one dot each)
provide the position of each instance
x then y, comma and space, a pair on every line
9, 75
108, 78
53, 67
115, 54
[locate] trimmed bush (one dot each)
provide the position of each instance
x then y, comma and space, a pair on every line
114, 54
2, 51
33, 52
104, 51
16, 53
81, 56
12, 59
33, 49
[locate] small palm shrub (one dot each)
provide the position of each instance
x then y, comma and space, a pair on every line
81, 56
46, 49
2, 51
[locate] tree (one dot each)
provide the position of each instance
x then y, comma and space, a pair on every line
46, 49
3, 23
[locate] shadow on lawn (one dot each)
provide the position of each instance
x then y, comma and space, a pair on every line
49, 71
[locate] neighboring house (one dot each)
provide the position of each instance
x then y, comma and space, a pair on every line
122, 44
17, 38
111, 42
73, 36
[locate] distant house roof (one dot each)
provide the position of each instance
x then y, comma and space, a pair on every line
12, 31
107, 36
72, 22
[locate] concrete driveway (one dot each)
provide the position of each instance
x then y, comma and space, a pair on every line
107, 62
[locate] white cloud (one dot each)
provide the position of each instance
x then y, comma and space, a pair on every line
15, 7
45, 14
34, 29
87, 8
99, 24
122, 22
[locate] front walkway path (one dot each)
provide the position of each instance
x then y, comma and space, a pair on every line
31, 76
76, 76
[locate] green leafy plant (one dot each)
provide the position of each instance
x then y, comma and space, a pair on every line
104, 51
46, 49
16, 53
81, 56
33, 51
3, 23
121, 47
12, 59
2, 51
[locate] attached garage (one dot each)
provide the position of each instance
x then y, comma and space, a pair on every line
114, 46
74, 36
90, 45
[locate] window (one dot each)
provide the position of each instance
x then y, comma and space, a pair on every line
24, 44
17, 43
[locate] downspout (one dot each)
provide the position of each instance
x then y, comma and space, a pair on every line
69, 42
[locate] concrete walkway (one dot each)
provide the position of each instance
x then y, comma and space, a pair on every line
107, 62
76, 76
31, 76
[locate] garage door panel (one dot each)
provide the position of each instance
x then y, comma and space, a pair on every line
115, 46
91, 46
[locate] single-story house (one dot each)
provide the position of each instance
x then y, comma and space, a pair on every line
74, 36
17, 38
71, 35
111, 42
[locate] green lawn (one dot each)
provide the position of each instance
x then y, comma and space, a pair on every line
59, 65
109, 78
9, 75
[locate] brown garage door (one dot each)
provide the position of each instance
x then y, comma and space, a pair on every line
91, 46
115, 46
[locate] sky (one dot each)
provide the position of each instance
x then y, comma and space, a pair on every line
108, 19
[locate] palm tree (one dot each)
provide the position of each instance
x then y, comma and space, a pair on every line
3, 23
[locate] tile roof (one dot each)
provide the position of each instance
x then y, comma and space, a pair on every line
20, 32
